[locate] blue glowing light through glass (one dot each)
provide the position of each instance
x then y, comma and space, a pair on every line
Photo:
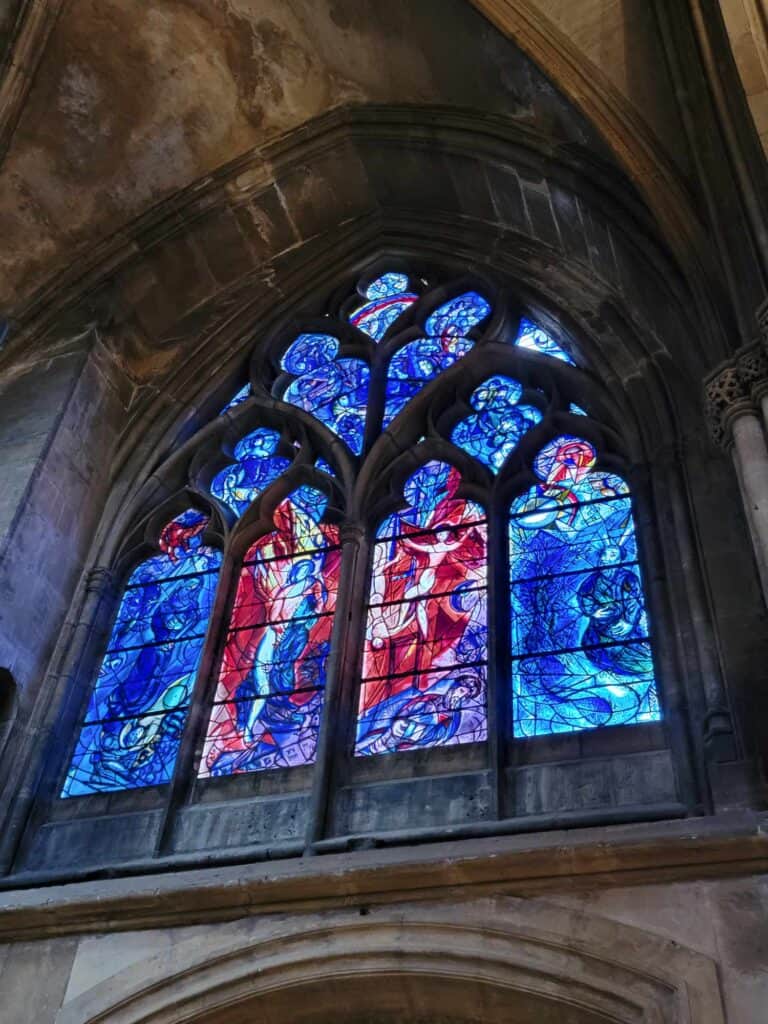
457, 317
310, 352
494, 430
256, 468
271, 684
416, 363
582, 656
337, 395
388, 300
532, 337
324, 466
139, 705
238, 399
386, 285
425, 648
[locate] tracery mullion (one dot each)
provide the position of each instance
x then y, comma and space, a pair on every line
338, 720
201, 699
498, 693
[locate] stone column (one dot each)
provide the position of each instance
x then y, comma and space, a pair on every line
737, 407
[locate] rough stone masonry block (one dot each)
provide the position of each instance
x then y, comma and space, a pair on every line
242, 823
596, 784
80, 843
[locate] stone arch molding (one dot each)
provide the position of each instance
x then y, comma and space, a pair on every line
491, 960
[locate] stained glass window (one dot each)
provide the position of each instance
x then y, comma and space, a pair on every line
532, 337
494, 430
139, 704
273, 673
581, 652
256, 468
425, 649
578, 628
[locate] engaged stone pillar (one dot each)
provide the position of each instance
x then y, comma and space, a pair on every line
737, 406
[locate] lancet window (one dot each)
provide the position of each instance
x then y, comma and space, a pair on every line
443, 434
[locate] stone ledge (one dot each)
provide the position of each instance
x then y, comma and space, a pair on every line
623, 855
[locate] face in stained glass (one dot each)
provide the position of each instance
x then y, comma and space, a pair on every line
139, 704
494, 430
425, 644
582, 655
273, 671
256, 468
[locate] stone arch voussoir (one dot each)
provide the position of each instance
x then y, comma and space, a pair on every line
481, 961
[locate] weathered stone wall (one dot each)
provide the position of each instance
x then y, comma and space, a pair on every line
682, 953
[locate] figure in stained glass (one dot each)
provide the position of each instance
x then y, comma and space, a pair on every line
494, 430
256, 468
424, 654
582, 657
534, 338
334, 391
138, 707
272, 677
425, 358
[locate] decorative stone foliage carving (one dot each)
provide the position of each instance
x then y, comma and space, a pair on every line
735, 388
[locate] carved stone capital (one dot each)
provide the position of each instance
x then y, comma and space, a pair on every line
735, 388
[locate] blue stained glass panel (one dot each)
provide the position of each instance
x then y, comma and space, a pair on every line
337, 395
568, 692
456, 318
532, 337
125, 754
324, 466
238, 399
416, 363
310, 352
581, 653
375, 318
138, 707
493, 432
554, 534
386, 285
256, 468
427, 710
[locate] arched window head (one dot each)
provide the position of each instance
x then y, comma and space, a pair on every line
272, 679
425, 648
138, 708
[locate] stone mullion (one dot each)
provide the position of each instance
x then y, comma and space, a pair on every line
200, 702
336, 737
498, 682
